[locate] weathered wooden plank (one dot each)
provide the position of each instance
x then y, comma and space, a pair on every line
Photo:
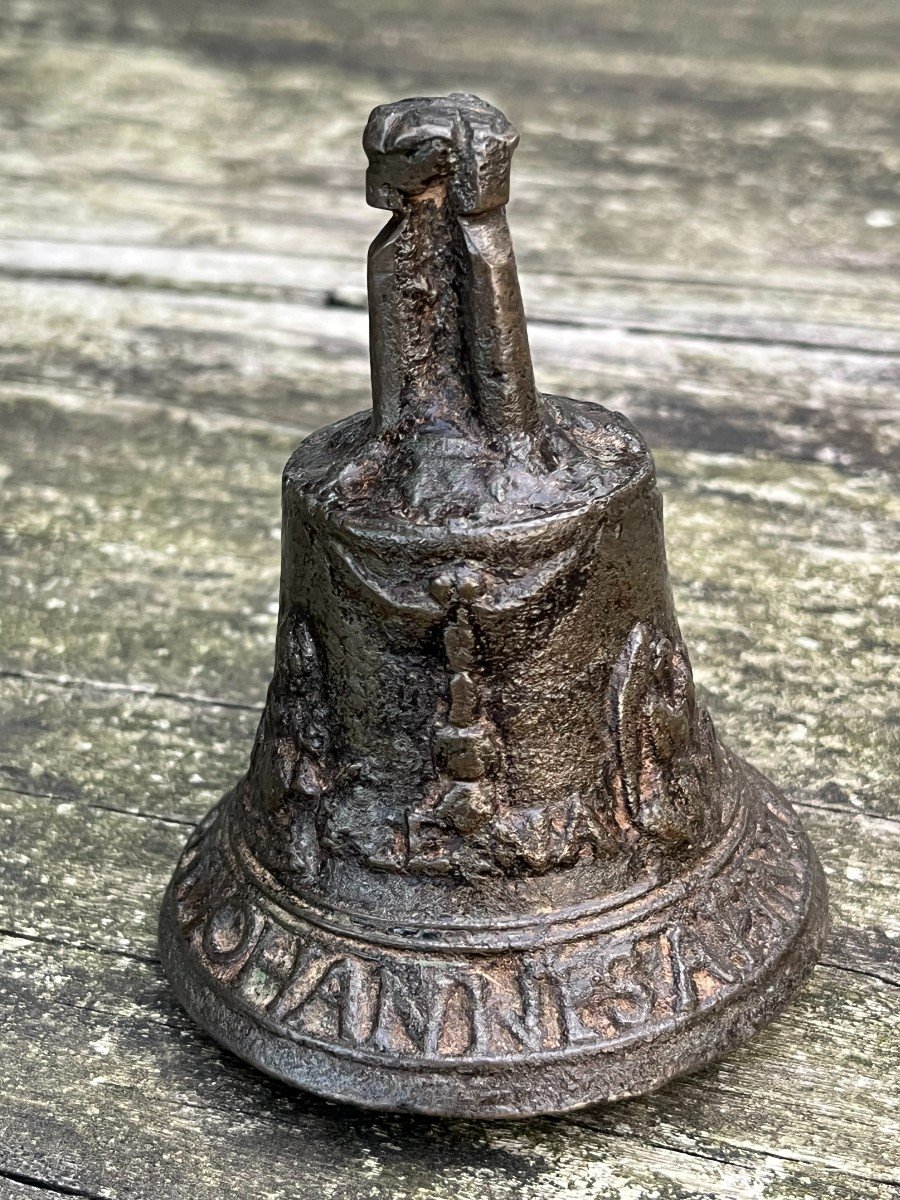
116, 749
161, 758
799, 312
82, 870
86, 876
690, 143
14, 1187
160, 591
835, 41
785, 576
729, 279
302, 363
105, 1034
872, 952
743, 1095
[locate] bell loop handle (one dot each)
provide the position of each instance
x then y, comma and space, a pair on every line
447, 323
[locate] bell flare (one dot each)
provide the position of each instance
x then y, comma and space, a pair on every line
602, 1000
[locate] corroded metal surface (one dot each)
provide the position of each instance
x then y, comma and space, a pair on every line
489, 857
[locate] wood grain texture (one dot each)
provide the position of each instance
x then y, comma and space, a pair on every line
786, 576
181, 299
67, 863
693, 135
129, 1065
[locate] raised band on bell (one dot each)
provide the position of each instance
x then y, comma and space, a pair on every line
489, 857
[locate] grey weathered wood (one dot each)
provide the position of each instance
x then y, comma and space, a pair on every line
785, 575
688, 135
686, 388
798, 311
120, 1034
71, 863
15, 1188
181, 267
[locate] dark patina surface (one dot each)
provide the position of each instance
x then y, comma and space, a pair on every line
490, 857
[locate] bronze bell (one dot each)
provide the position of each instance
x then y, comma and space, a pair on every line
489, 857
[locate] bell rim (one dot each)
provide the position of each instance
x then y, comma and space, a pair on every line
536, 1082
688, 1049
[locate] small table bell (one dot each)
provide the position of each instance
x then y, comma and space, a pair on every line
489, 857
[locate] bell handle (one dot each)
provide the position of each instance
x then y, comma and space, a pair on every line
453, 153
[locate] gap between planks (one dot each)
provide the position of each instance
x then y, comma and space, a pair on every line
128, 689
747, 1155
858, 944
35, 1185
